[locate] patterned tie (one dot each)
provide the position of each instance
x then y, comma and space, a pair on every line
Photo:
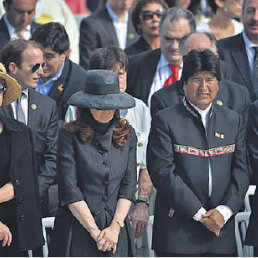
174, 76
20, 113
255, 70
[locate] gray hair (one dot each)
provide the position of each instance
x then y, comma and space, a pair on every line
174, 13
211, 37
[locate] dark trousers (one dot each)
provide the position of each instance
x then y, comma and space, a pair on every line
166, 254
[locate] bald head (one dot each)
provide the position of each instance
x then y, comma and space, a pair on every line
198, 41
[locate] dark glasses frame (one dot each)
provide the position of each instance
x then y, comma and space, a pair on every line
2, 89
36, 66
148, 15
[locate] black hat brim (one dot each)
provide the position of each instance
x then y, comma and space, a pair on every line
120, 100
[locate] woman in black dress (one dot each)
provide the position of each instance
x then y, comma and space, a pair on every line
20, 221
96, 168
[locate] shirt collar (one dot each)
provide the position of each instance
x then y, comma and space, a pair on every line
55, 78
10, 27
163, 62
248, 43
203, 113
113, 16
26, 92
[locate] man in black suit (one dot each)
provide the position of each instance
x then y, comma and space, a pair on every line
239, 51
61, 77
17, 22
231, 95
149, 71
23, 61
196, 157
110, 25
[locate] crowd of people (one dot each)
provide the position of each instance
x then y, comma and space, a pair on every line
146, 107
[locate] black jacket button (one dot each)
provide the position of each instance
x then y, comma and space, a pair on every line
20, 200
16, 182
104, 198
22, 218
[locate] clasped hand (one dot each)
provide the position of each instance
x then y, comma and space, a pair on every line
213, 221
108, 238
5, 235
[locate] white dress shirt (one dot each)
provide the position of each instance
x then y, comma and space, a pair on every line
24, 105
120, 27
163, 71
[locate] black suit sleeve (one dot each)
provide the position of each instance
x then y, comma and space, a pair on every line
252, 137
88, 41
47, 169
157, 103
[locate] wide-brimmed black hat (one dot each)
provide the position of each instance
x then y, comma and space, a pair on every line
102, 91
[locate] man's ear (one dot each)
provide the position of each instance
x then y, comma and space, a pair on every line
12, 68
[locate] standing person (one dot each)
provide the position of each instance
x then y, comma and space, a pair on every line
240, 51
152, 70
24, 61
61, 77
223, 24
20, 221
113, 58
146, 16
196, 157
17, 22
111, 25
96, 173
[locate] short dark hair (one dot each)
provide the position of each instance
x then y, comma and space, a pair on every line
196, 61
177, 12
12, 51
52, 35
138, 9
107, 58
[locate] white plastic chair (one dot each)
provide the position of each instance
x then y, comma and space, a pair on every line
250, 191
241, 224
47, 222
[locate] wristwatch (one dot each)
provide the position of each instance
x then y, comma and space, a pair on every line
142, 199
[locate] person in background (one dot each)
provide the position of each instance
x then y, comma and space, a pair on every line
146, 16
96, 173
20, 220
23, 61
58, 11
155, 69
61, 77
240, 51
111, 25
196, 157
113, 58
17, 22
223, 24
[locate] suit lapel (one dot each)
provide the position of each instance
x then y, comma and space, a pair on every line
109, 27
147, 73
131, 33
32, 108
5, 37
240, 58
7, 111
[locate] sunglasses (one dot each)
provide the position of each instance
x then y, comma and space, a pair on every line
35, 67
148, 15
2, 89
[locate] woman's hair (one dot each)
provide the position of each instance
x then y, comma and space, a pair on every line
138, 9
85, 132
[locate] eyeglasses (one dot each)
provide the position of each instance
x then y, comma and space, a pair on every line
148, 15
35, 67
2, 89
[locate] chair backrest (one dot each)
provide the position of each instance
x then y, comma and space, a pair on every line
47, 222
241, 224
250, 191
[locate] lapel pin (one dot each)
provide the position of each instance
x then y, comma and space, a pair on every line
33, 106
219, 102
60, 88
219, 135
130, 36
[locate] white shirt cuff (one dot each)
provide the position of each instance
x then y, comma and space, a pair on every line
198, 215
225, 211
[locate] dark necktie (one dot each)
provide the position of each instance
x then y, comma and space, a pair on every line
174, 76
255, 70
19, 111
